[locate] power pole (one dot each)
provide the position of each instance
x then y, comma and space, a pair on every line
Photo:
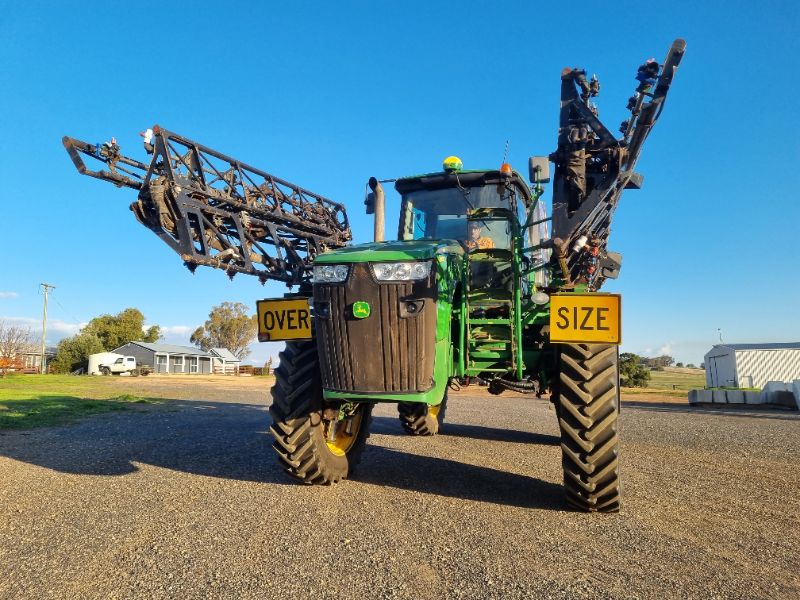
47, 287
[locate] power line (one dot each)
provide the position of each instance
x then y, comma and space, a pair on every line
64, 309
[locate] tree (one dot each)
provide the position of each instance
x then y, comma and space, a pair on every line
115, 330
631, 374
690, 366
658, 361
73, 352
14, 340
702, 365
679, 365
228, 326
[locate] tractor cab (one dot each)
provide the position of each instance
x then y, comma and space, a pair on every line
440, 205
486, 213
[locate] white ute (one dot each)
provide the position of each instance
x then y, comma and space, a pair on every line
124, 364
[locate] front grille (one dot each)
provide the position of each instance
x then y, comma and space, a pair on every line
383, 352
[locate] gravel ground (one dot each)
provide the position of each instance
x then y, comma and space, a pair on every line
184, 500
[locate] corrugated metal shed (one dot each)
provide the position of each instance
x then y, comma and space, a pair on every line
752, 365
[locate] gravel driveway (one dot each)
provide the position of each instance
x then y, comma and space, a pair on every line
185, 501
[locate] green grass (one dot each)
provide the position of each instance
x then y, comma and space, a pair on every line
664, 380
28, 401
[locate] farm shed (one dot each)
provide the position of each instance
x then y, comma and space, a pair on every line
166, 358
752, 365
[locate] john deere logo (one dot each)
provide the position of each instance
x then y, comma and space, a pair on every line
361, 310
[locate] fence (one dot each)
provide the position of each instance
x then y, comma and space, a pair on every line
20, 367
249, 370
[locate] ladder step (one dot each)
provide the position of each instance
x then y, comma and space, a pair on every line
490, 255
490, 321
490, 294
490, 304
488, 354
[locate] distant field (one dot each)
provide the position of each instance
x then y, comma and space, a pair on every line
665, 380
28, 401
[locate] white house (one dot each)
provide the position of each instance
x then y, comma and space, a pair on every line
168, 358
752, 365
224, 358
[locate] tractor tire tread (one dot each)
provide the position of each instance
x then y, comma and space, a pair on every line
588, 398
416, 419
296, 411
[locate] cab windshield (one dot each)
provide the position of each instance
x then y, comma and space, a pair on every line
442, 214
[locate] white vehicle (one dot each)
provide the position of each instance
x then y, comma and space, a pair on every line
124, 364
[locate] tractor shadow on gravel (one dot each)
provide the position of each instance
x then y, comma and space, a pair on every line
388, 426
388, 467
492, 434
232, 441
215, 439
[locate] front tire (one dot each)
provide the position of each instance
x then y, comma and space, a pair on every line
105, 371
588, 409
419, 418
311, 449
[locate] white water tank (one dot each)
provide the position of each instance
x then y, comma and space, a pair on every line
101, 358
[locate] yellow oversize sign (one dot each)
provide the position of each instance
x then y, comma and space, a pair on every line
586, 318
282, 319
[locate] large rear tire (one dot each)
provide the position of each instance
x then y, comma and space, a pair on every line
419, 418
588, 409
310, 448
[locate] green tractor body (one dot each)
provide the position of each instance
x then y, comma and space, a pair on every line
466, 290
461, 315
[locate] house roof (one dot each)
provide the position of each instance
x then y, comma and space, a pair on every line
783, 346
225, 354
169, 349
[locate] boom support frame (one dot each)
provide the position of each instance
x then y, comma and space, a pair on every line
593, 167
216, 211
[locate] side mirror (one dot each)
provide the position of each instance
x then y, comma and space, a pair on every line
610, 264
539, 165
369, 201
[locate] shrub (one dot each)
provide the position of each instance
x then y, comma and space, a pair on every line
631, 374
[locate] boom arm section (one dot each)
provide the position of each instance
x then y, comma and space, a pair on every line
216, 211
593, 168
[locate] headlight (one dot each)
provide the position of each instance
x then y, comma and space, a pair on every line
330, 273
540, 298
403, 271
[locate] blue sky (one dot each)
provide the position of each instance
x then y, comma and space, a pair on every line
327, 95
